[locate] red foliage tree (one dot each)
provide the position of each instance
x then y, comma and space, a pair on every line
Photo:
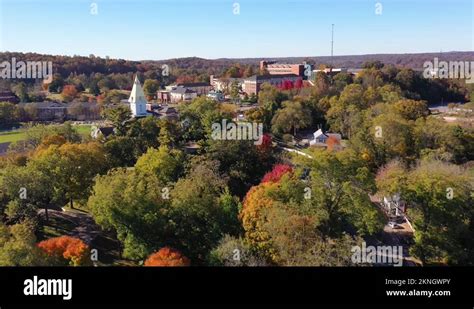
167, 257
278, 171
333, 143
266, 144
70, 249
299, 84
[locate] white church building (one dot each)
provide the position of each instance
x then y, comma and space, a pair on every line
137, 100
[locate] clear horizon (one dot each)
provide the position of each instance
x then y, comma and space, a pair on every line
209, 29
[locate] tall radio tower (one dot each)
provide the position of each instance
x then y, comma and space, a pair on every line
332, 46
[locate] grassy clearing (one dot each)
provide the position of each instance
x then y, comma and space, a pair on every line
83, 129
20, 135
12, 136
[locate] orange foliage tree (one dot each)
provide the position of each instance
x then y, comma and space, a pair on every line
167, 257
67, 249
333, 143
69, 93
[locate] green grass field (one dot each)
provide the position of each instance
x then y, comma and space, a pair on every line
19, 135
84, 129
13, 136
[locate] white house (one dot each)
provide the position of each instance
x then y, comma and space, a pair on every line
137, 100
320, 138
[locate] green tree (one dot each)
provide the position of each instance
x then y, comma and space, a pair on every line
201, 212
165, 163
150, 87
440, 206
240, 162
119, 116
57, 84
293, 116
340, 188
18, 246
21, 90
8, 114
27, 189
133, 205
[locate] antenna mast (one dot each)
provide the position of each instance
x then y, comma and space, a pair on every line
332, 45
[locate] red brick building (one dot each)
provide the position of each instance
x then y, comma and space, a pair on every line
253, 83
274, 68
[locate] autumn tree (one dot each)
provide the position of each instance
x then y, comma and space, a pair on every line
283, 226
411, 109
71, 167
333, 143
167, 257
277, 172
67, 250
69, 93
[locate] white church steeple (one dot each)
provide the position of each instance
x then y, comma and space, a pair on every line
137, 99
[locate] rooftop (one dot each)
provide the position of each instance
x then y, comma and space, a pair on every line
194, 85
269, 76
182, 90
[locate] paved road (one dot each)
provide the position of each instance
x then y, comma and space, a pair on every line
84, 226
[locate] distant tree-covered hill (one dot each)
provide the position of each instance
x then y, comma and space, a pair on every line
65, 65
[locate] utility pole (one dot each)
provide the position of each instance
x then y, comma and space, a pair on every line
332, 46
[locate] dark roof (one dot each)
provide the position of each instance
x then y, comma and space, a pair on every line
269, 76
190, 85
182, 90
167, 110
8, 96
106, 131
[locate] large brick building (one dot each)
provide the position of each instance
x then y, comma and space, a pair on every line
274, 68
254, 83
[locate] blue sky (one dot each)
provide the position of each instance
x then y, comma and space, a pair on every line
162, 29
